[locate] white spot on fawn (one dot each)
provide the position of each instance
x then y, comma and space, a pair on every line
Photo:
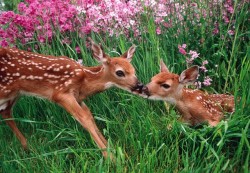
67, 83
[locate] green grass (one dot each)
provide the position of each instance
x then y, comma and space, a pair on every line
142, 134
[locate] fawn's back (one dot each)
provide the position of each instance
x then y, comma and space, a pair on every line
25, 71
198, 106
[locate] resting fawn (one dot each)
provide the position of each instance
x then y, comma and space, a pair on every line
64, 81
195, 106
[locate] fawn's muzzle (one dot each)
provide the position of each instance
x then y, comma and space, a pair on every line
145, 91
138, 88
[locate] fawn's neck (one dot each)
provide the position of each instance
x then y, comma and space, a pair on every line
185, 98
95, 80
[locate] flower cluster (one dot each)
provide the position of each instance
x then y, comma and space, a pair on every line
190, 57
109, 16
40, 20
228, 7
37, 19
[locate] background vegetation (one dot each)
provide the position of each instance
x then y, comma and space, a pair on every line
143, 134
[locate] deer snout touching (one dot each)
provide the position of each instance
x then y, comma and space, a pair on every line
138, 87
145, 91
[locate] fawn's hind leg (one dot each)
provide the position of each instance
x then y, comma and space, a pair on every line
6, 114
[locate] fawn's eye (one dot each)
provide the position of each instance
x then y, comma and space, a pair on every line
120, 73
166, 86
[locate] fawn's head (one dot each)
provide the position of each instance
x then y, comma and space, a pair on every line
167, 86
118, 70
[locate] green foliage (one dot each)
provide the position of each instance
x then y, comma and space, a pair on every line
10, 5
142, 134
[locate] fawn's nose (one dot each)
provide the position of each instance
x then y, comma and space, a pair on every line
145, 91
138, 87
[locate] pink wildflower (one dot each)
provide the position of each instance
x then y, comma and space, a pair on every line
158, 30
230, 9
184, 46
216, 28
205, 62
203, 68
230, 32
193, 54
207, 81
4, 43
182, 49
198, 84
80, 61
78, 50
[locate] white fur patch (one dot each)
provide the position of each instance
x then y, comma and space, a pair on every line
169, 100
3, 104
108, 85
111, 84
86, 70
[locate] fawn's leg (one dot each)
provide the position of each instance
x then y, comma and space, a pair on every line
84, 107
6, 114
84, 117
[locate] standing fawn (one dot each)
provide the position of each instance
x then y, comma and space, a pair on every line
64, 81
195, 106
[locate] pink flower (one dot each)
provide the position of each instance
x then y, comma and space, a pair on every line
4, 43
158, 30
230, 32
205, 62
203, 68
168, 24
215, 31
216, 28
198, 84
230, 9
78, 50
193, 54
207, 81
184, 46
182, 49
80, 61
41, 39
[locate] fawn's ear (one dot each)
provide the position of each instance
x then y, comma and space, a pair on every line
98, 52
189, 75
163, 67
129, 54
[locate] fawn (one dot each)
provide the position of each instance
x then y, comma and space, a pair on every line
64, 81
195, 106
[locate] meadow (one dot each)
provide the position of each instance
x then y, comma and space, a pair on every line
144, 135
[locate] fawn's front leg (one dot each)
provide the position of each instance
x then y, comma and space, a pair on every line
84, 107
6, 114
84, 117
